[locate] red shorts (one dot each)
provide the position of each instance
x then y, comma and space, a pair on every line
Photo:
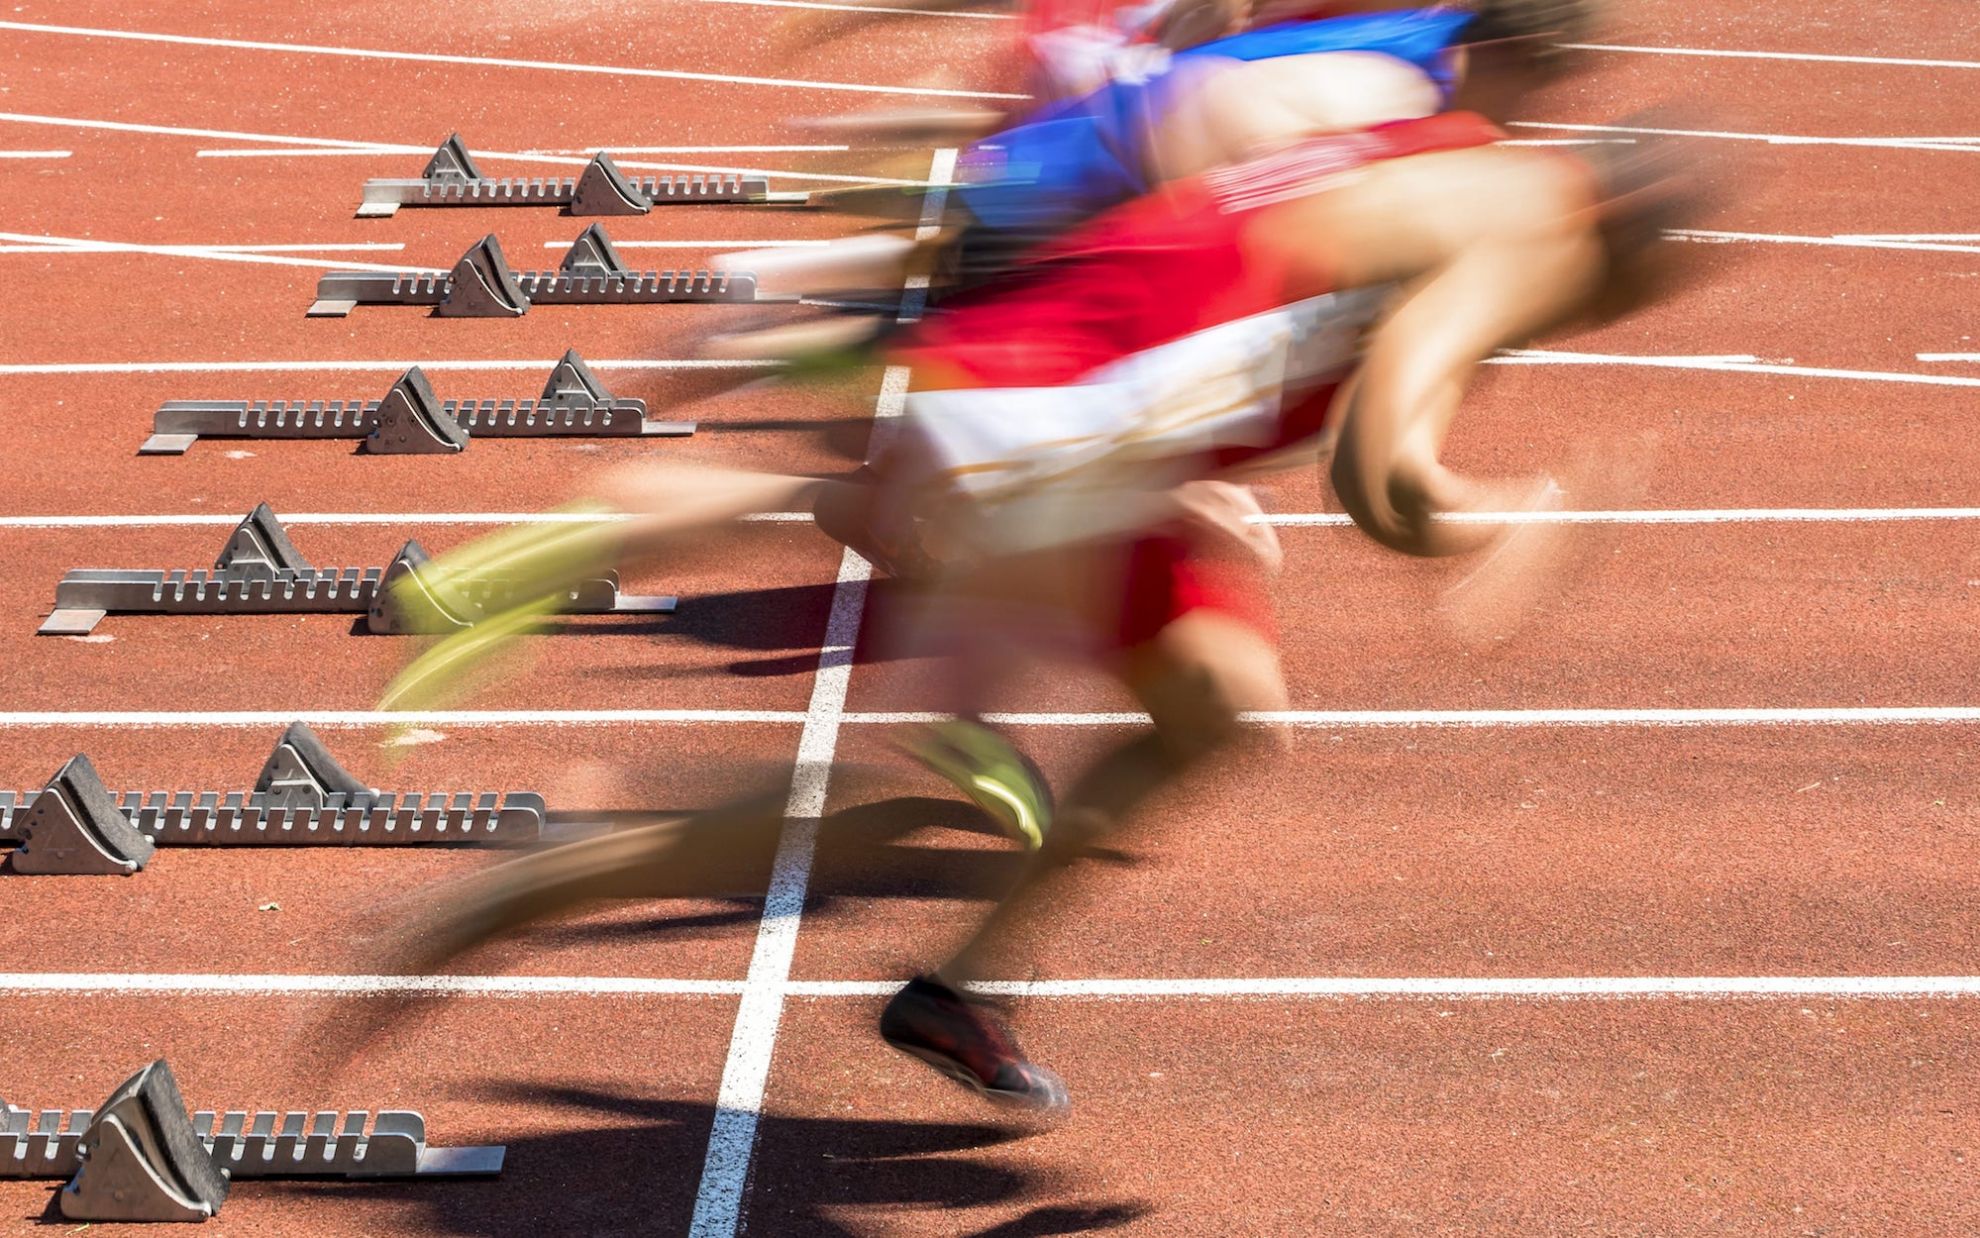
1182, 260
1168, 577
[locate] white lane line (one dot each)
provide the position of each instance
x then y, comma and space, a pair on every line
353, 518
1336, 719
76, 244
1773, 139
1669, 515
1736, 363
72, 247
31, 719
1911, 236
1949, 356
1536, 356
406, 148
1282, 520
618, 244
36, 154
718, 1201
121, 983
568, 161
217, 519
289, 152
1843, 242
492, 62
868, 8
139, 984
1816, 57
368, 366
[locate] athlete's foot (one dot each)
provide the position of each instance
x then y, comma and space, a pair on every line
965, 1040
985, 766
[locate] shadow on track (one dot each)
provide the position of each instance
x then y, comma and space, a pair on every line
638, 1174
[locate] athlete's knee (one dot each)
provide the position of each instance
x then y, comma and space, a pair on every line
1202, 675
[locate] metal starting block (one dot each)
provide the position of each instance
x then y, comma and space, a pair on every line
260, 572
141, 1156
452, 179
410, 420
482, 284
303, 798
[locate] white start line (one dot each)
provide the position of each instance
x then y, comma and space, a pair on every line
718, 1203
170, 984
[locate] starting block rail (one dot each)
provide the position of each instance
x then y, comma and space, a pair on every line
482, 284
410, 420
141, 1156
268, 577
451, 178
304, 797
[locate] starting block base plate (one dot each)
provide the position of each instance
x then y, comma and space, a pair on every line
168, 444
666, 429
70, 622
330, 308
656, 604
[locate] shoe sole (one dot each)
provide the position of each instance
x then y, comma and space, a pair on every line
951, 1069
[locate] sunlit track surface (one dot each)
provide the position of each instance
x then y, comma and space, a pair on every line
1657, 917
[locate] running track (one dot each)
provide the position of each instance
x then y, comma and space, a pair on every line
1656, 918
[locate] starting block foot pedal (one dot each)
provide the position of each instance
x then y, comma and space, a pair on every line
572, 380
75, 828
260, 549
142, 1160
483, 286
407, 603
451, 162
301, 773
604, 190
411, 421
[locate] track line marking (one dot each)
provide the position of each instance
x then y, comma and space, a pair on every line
30, 719
218, 519
138, 984
1282, 520
60, 246
407, 148
869, 8
1844, 242
490, 62
356, 985
569, 161
1340, 719
1379, 987
84, 245
718, 1201
368, 366
287, 152
1816, 57
1537, 356
1911, 236
36, 154
1773, 139
1949, 356
1737, 363
618, 244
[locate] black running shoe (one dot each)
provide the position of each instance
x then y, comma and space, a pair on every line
965, 1041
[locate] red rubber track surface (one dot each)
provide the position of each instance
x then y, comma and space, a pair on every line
1408, 852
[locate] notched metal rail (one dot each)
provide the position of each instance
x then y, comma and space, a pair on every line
451, 178
261, 573
482, 284
411, 420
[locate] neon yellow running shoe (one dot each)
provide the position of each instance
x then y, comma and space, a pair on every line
984, 766
537, 565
